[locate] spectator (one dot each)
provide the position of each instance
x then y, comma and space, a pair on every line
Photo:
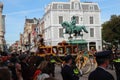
52, 61
50, 78
5, 74
100, 72
14, 66
40, 67
46, 71
25, 67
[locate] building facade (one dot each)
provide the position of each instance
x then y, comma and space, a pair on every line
29, 34
2, 29
87, 14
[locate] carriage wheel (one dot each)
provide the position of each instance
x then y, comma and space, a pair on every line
86, 66
93, 63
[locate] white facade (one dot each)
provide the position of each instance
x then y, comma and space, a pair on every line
88, 15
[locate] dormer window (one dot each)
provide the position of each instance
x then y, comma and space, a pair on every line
91, 7
76, 5
59, 6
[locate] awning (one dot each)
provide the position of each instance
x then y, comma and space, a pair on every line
77, 41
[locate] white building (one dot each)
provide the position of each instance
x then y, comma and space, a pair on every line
87, 13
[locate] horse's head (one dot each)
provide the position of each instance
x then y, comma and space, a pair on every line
84, 29
65, 24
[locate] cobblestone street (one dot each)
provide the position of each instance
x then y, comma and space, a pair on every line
84, 77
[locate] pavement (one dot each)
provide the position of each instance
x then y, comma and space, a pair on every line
84, 77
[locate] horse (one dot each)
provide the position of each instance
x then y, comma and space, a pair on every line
67, 27
78, 29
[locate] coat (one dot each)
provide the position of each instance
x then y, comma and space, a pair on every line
68, 74
100, 74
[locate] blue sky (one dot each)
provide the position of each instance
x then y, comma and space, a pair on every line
17, 10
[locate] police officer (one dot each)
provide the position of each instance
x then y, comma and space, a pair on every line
52, 61
117, 68
100, 72
68, 73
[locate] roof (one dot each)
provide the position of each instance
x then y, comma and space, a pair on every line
85, 6
30, 20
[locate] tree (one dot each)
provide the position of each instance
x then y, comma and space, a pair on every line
111, 30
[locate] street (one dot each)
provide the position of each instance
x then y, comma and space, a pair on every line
84, 77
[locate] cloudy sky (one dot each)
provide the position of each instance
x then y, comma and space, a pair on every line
17, 10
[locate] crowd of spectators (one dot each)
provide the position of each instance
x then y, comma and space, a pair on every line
25, 67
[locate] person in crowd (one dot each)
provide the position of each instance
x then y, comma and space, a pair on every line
1, 61
114, 52
15, 67
39, 60
50, 58
79, 59
117, 68
52, 61
92, 51
40, 40
39, 69
25, 69
5, 74
67, 70
46, 71
100, 72
18, 71
50, 78
85, 52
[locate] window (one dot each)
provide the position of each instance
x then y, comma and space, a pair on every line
59, 6
60, 32
91, 20
77, 20
60, 19
76, 6
91, 7
91, 32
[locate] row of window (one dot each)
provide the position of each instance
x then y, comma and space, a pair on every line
61, 32
91, 20
76, 6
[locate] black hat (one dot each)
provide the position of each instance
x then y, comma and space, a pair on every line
103, 54
68, 57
